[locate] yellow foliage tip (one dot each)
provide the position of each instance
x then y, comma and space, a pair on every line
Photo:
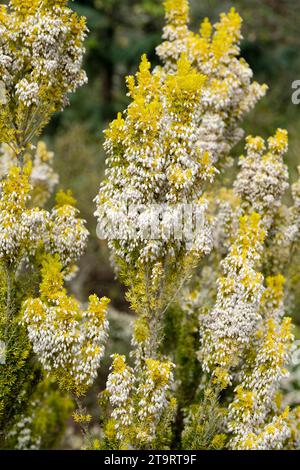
27, 7
256, 144
232, 21
119, 364
52, 277
98, 306
251, 226
279, 142
276, 283
116, 126
206, 29
177, 10
65, 198
159, 371
186, 80
145, 65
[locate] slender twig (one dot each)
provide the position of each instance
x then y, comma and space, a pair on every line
84, 425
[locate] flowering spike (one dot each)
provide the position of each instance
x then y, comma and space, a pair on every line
68, 341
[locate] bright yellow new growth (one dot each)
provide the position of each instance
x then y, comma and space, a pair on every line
65, 198
216, 42
52, 278
206, 29
15, 190
177, 11
249, 234
186, 84
146, 108
228, 32
256, 144
279, 142
274, 291
159, 371
115, 130
119, 364
26, 7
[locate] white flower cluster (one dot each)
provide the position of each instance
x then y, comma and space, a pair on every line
139, 397
228, 93
225, 221
66, 339
156, 161
68, 234
273, 436
120, 384
26, 230
226, 330
43, 178
153, 393
263, 178
35, 226
14, 196
27, 92
259, 383
45, 40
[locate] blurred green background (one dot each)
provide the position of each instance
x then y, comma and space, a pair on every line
120, 31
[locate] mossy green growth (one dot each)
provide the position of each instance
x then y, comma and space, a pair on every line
19, 375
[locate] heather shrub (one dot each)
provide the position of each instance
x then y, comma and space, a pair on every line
207, 252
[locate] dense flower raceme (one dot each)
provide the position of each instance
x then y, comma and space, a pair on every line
141, 401
251, 414
263, 178
228, 327
68, 341
228, 93
260, 185
154, 158
156, 166
25, 231
40, 63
